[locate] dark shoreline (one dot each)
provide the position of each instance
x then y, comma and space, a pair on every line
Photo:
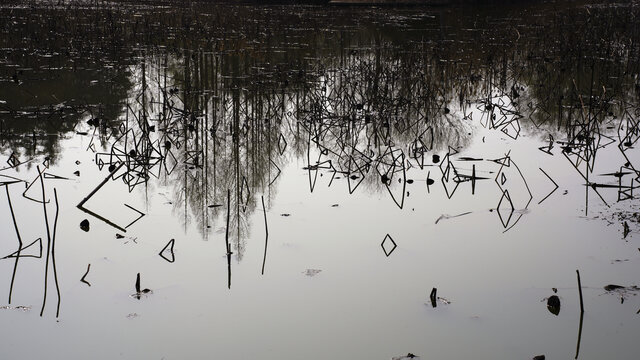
427, 3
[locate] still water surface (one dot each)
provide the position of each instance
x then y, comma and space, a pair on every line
291, 182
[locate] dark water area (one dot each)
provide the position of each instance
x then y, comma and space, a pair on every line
181, 180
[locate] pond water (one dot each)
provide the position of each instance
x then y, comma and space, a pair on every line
188, 181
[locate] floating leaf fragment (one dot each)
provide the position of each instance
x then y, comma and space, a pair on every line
84, 225
553, 304
613, 287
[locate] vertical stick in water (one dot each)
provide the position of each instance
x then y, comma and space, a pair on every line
580, 292
15, 225
226, 238
53, 250
579, 334
46, 221
581, 314
266, 239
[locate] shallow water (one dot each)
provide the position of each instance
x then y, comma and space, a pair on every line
286, 149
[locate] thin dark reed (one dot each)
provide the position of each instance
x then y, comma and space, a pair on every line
53, 251
266, 237
15, 225
46, 221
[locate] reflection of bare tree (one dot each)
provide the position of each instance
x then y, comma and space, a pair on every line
221, 98
236, 137
210, 139
360, 111
465, 54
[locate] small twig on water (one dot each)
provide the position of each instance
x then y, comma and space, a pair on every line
85, 275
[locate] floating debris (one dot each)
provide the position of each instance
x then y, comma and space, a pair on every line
447, 216
22, 308
619, 261
553, 305
404, 357
622, 291
84, 225
311, 272
612, 287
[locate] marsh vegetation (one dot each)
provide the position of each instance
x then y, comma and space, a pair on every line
219, 178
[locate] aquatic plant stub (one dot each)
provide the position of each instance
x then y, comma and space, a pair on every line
138, 294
